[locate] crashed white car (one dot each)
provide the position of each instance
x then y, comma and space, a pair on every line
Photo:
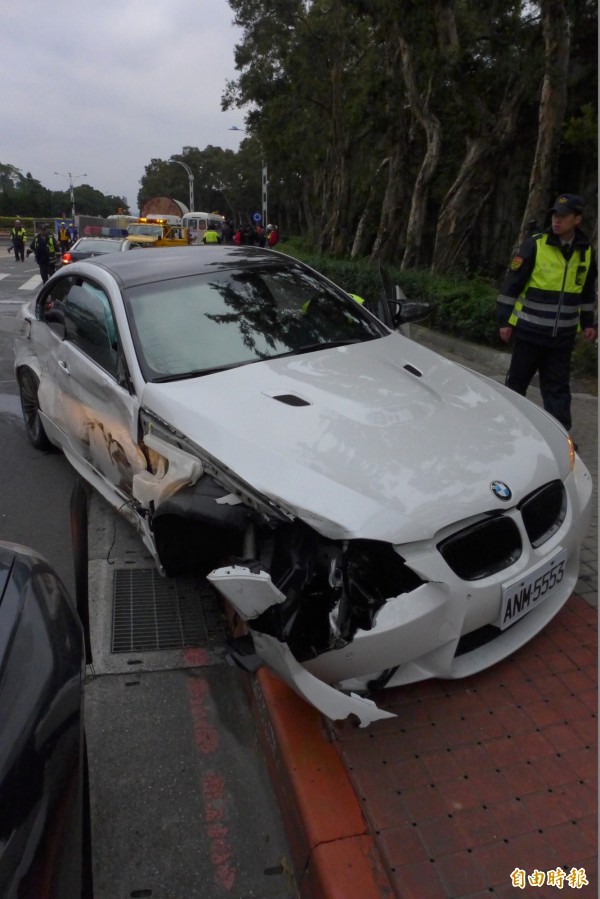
378, 515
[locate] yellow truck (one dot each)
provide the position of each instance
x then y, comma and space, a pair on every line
158, 232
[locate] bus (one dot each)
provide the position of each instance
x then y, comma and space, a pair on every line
198, 223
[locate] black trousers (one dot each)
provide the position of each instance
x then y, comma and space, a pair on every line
47, 268
553, 364
19, 248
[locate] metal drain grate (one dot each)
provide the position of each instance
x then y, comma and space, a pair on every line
151, 612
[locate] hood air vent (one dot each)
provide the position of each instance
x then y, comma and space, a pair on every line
291, 399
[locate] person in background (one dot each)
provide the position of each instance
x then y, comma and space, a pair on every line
547, 296
272, 235
64, 237
211, 235
44, 248
259, 237
17, 238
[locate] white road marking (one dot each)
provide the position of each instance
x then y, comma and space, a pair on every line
3, 275
32, 284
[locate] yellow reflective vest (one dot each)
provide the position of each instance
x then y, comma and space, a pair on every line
550, 300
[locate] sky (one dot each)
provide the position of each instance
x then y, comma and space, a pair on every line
98, 89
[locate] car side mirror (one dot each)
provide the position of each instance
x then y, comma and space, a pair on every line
400, 310
409, 311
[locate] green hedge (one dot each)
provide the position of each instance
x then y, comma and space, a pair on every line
464, 308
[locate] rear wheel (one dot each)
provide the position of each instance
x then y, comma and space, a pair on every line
28, 390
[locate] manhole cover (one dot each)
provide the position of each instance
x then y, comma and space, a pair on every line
151, 612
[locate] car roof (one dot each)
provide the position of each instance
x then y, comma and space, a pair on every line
164, 263
99, 237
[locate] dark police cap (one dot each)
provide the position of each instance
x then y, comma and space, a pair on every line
568, 203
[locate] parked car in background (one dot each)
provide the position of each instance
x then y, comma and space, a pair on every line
44, 811
86, 247
376, 514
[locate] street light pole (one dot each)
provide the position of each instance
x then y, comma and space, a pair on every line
190, 179
70, 177
264, 179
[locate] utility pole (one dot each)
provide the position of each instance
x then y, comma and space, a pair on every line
264, 179
190, 180
70, 177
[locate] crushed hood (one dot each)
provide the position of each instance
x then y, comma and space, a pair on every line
363, 446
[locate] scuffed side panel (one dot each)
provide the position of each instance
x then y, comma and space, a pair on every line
176, 469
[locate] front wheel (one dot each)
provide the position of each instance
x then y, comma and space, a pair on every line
28, 390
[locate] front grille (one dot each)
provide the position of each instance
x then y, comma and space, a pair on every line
483, 548
544, 511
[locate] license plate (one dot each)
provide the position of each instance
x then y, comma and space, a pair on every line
523, 595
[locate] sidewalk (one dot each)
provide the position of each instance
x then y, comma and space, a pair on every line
478, 787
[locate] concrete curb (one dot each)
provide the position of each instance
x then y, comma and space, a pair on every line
334, 854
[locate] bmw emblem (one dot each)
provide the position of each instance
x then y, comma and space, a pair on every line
501, 490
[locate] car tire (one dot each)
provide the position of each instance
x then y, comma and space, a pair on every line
28, 390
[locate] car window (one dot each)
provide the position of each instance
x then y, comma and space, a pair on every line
89, 322
50, 305
96, 245
195, 324
152, 230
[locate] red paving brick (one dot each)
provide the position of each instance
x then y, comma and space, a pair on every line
479, 777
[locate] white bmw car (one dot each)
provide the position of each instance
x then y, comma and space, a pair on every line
375, 513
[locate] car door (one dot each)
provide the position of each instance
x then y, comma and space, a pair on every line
91, 409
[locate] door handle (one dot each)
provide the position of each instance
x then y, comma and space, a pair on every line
64, 366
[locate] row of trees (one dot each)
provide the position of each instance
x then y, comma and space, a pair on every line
225, 181
23, 195
431, 135
427, 133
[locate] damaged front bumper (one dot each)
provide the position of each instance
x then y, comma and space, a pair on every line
442, 628
339, 619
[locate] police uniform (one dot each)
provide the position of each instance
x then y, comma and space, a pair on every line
43, 246
547, 296
17, 237
64, 237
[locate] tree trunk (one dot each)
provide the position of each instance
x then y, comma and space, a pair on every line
361, 237
390, 226
553, 103
433, 129
474, 184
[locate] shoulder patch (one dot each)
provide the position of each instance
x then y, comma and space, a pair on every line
516, 263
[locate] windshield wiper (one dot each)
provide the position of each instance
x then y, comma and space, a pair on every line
197, 373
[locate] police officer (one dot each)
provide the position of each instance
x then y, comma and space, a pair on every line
17, 237
43, 246
211, 235
64, 237
547, 296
